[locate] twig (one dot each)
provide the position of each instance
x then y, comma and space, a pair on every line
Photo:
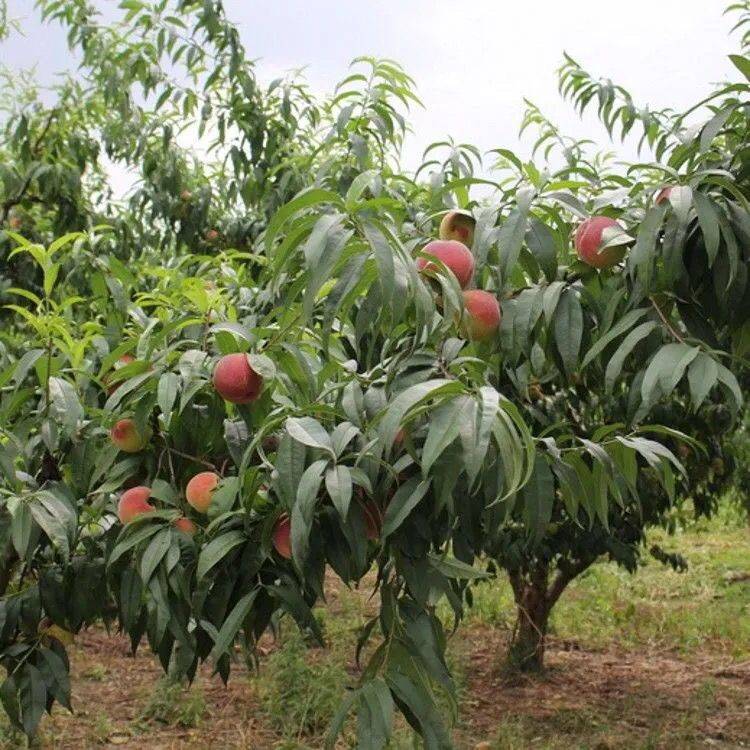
666, 322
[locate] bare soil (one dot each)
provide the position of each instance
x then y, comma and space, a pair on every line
600, 699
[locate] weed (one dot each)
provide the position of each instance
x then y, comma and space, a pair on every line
175, 705
300, 695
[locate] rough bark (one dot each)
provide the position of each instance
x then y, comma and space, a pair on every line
535, 596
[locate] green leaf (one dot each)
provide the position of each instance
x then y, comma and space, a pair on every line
569, 329
304, 510
445, 424
375, 715
310, 432
476, 433
406, 400
290, 465
452, 568
512, 233
709, 223
665, 370
65, 403
641, 257
337, 723
703, 374
403, 502
305, 199
742, 64
614, 366
538, 496
423, 709
131, 536
216, 550
728, 379
154, 553
231, 625
339, 487
622, 325
713, 127
541, 242
166, 393
383, 257
52, 525
32, 698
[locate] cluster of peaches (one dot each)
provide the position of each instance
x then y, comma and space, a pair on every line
236, 381
481, 309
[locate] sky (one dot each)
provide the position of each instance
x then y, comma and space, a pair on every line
473, 64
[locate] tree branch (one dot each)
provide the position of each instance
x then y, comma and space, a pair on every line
564, 576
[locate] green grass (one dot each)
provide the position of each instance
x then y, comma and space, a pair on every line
301, 690
174, 704
657, 606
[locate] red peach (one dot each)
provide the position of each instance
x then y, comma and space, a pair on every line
185, 525
282, 536
127, 438
482, 314
235, 380
200, 489
133, 503
588, 241
212, 235
457, 225
663, 194
455, 255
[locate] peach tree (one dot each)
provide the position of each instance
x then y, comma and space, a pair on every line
197, 426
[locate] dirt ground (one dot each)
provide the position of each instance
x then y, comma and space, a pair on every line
656, 661
619, 697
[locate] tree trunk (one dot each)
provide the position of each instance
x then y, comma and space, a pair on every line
526, 650
535, 596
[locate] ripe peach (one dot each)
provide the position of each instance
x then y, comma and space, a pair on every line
588, 240
455, 255
282, 536
235, 380
127, 438
15, 223
185, 525
457, 225
663, 194
185, 195
212, 235
200, 489
133, 503
481, 314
